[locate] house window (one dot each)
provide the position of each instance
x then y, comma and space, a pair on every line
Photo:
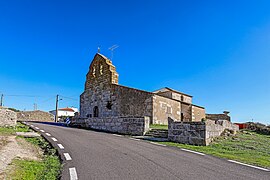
169, 110
95, 111
182, 98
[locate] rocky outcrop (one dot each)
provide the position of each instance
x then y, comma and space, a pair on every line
7, 117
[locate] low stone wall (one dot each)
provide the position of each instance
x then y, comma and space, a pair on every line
197, 133
7, 117
38, 115
121, 125
215, 129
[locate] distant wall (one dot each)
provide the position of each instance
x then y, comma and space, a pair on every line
35, 116
197, 133
216, 117
7, 117
198, 113
121, 125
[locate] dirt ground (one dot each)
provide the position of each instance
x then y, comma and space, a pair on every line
12, 147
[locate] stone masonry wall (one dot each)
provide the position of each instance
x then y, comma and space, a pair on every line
35, 116
132, 102
123, 101
216, 117
7, 117
187, 132
163, 108
198, 113
215, 129
121, 125
197, 133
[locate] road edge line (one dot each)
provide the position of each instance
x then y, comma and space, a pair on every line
73, 174
248, 165
195, 152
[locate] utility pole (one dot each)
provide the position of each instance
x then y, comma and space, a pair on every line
56, 108
2, 98
35, 106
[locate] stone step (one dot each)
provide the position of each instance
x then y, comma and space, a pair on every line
157, 130
158, 133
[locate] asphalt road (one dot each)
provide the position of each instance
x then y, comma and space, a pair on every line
98, 155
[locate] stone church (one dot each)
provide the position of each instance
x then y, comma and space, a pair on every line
103, 97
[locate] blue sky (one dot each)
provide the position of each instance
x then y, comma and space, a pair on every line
217, 51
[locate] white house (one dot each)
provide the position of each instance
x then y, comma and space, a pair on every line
65, 112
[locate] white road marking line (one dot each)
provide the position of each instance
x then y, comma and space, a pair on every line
135, 139
32, 126
117, 135
48, 134
249, 165
60, 146
193, 151
54, 139
73, 174
158, 144
37, 127
67, 156
42, 130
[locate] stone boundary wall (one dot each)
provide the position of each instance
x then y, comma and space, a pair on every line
217, 117
215, 129
38, 115
122, 125
197, 133
7, 117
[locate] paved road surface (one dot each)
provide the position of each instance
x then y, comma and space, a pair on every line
98, 155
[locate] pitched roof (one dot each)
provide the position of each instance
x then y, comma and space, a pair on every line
66, 109
165, 89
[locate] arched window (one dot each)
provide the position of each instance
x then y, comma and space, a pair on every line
95, 111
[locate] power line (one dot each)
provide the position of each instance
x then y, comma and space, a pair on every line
69, 98
22, 95
47, 99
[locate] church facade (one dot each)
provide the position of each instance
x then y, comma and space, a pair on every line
103, 97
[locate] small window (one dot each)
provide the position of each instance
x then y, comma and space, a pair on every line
95, 111
169, 110
182, 116
182, 98
109, 105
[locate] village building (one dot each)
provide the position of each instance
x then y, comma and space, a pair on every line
65, 112
103, 97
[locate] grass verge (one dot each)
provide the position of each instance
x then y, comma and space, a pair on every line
12, 130
158, 126
248, 147
48, 168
